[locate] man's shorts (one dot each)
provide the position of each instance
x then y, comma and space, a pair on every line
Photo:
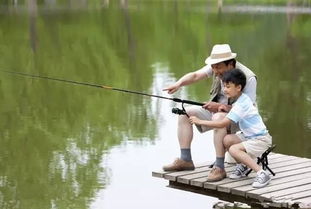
257, 145
204, 114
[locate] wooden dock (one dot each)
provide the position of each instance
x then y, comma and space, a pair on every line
289, 188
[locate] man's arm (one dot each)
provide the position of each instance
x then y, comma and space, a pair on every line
185, 80
250, 89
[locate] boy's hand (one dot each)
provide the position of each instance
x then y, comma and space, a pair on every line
194, 120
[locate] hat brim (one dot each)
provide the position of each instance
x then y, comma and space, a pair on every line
210, 61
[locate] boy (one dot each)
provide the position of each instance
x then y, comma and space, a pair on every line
253, 139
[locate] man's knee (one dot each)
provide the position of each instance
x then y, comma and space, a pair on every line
219, 116
192, 111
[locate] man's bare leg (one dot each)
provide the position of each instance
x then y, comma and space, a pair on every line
218, 172
219, 135
185, 136
184, 132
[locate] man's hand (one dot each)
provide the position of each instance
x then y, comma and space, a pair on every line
172, 89
212, 106
224, 108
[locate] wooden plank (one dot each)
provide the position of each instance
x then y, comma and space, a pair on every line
187, 178
290, 162
272, 157
290, 200
305, 202
291, 185
213, 185
279, 162
249, 180
200, 181
290, 193
243, 189
278, 187
276, 158
161, 173
173, 176
299, 195
277, 190
225, 186
281, 159
242, 182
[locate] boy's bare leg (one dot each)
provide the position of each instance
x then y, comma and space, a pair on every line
230, 140
239, 153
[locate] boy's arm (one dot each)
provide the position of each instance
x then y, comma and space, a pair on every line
212, 124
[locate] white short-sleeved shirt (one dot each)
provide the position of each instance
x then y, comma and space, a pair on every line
246, 115
249, 89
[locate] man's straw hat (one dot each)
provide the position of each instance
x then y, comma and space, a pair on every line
220, 53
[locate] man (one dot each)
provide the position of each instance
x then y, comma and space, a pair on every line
220, 61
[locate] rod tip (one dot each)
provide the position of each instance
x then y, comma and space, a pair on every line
107, 87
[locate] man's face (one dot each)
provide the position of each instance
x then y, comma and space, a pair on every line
220, 68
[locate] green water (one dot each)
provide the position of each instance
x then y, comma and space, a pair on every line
54, 137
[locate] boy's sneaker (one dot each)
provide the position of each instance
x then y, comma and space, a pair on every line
239, 172
262, 179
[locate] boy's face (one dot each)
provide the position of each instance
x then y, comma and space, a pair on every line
231, 90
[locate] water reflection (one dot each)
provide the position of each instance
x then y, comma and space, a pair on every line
289, 9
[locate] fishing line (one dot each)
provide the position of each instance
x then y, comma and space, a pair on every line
103, 87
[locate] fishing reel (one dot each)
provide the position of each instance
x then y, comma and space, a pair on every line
179, 111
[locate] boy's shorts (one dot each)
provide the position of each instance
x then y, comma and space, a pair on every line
257, 145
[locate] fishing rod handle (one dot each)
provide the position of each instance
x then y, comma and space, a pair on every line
188, 102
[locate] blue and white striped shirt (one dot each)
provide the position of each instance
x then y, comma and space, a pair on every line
246, 115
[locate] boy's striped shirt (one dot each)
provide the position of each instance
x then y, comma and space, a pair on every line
246, 115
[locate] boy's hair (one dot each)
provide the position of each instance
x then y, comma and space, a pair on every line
235, 76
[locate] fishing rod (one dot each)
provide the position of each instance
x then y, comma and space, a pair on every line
108, 88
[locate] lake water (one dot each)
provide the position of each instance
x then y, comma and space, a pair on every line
69, 146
